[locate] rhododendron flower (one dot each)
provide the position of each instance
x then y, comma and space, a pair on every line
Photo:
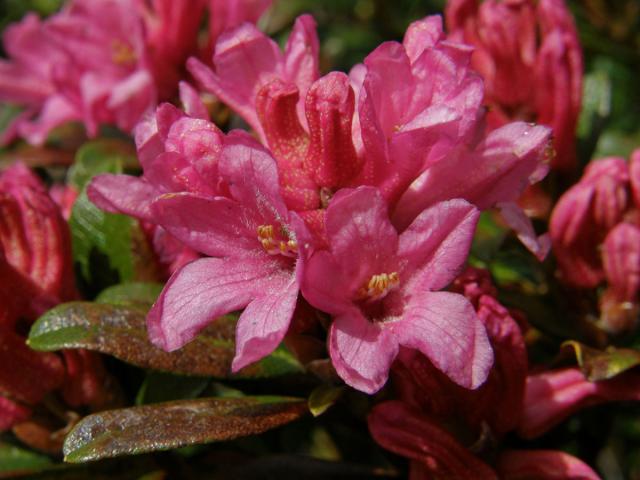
381, 288
606, 195
36, 273
245, 60
104, 61
435, 453
553, 396
529, 56
255, 240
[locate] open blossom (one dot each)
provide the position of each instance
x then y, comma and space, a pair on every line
254, 241
443, 429
529, 56
382, 290
36, 273
103, 61
605, 198
414, 112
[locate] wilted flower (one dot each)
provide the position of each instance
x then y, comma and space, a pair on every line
529, 56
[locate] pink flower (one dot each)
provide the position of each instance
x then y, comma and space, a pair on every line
435, 453
587, 212
553, 396
255, 241
104, 61
416, 100
246, 60
225, 14
381, 288
531, 45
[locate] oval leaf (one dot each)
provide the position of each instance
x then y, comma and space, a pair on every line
121, 331
601, 365
163, 426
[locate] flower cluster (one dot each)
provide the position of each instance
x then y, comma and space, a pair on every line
349, 227
106, 61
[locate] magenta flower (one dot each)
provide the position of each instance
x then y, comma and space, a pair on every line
531, 44
553, 396
381, 288
255, 241
245, 60
587, 212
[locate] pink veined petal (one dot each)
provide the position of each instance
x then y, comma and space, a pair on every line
323, 286
191, 102
301, 58
245, 59
361, 351
544, 465
215, 226
497, 172
444, 326
201, 292
422, 34
130, 98
363, 241
265, 321
515, 217
436, 244
621, 261
122, 194
252, 176
405, 432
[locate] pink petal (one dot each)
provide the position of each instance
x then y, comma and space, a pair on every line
543, 465
405, 432
215, 226
12, 413
444, 326
361, 351
422, 34
245, 59
515, 217
498, 171
122, 194
621, 261
55, 112
252, 176
192, 102
436, 244
198, 294
323, 286
265, 321
301, 58
363, 241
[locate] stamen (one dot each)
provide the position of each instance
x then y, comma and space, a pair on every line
379, 286
122, 53
274, 246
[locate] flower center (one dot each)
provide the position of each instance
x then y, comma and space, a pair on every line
122, 53
379, 286
277, 243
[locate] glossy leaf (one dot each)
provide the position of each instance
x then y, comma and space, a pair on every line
601, 365
120, 331
323, 397
137, 294
169, 425
14, 459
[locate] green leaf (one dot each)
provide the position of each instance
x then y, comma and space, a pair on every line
100, 156
14, 460
163, 426
136, 294
107, 248
323, 397
121, 331
601, 365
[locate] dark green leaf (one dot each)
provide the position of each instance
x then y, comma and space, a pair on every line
14, 459
323, 397
169, 425
120, 331
100, 156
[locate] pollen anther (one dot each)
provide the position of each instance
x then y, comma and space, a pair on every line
276, 246
379, 285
